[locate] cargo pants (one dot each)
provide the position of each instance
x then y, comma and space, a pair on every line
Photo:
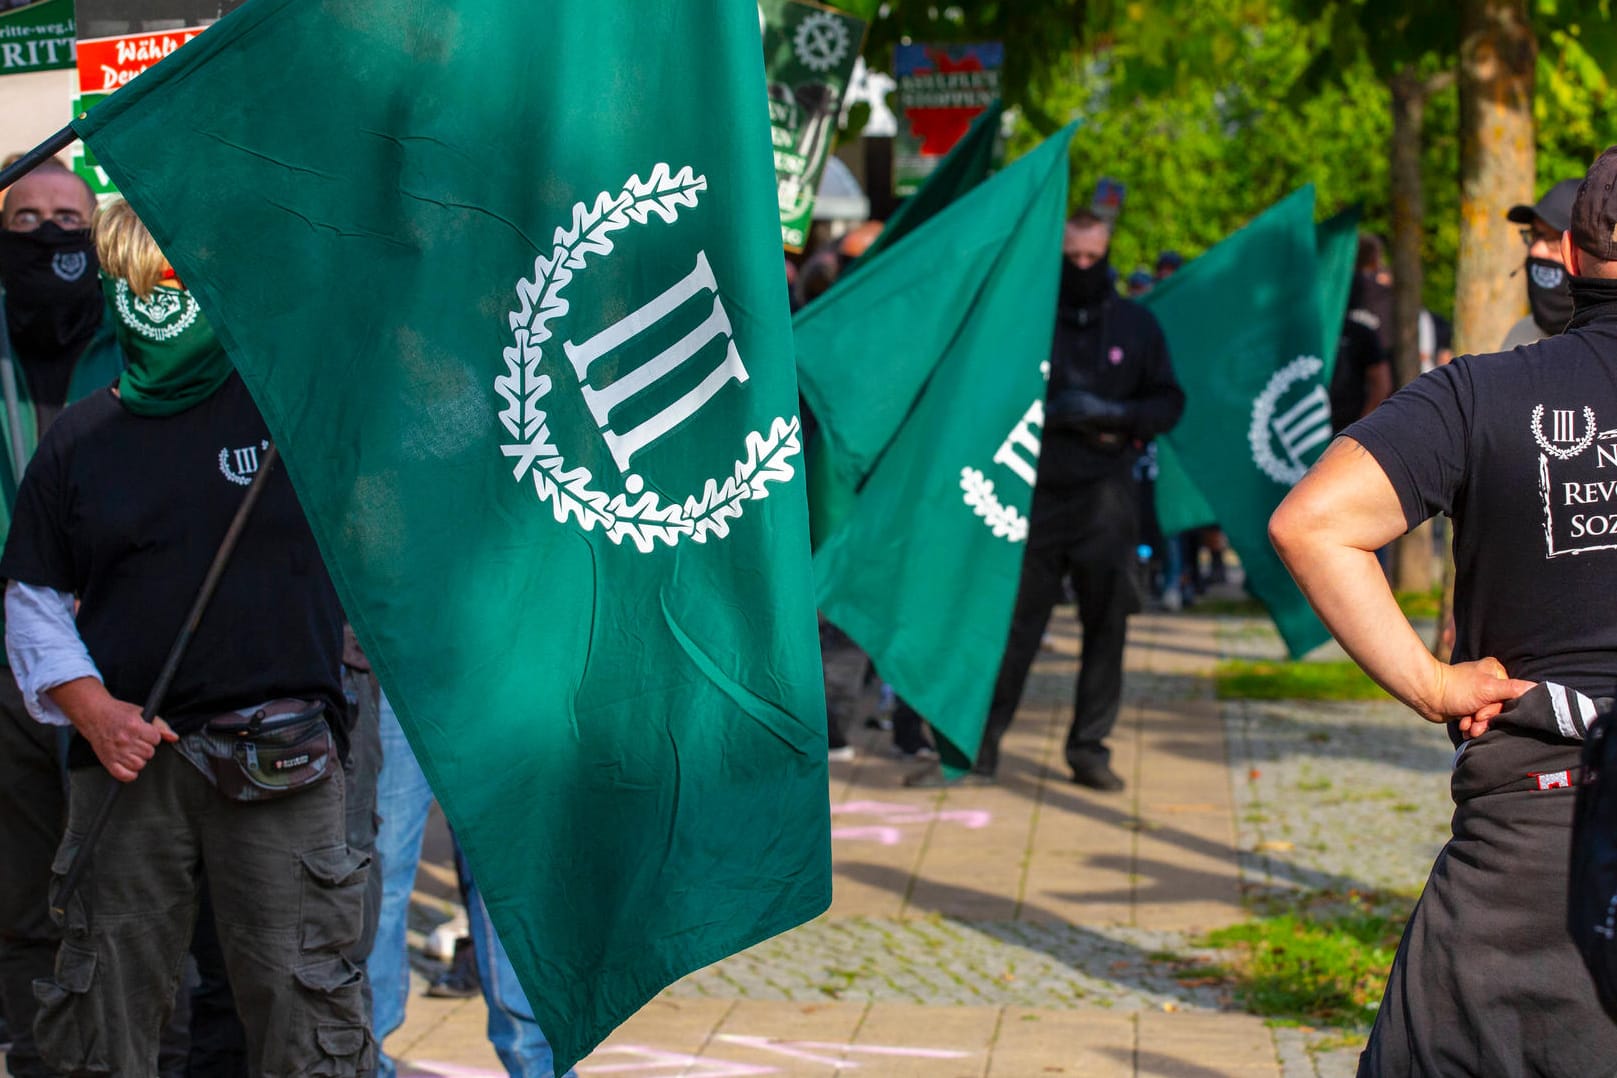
287, 895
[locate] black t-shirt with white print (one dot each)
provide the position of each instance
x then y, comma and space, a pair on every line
1520, 448
127, 512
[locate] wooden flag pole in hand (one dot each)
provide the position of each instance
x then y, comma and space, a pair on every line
154, 699
37, 156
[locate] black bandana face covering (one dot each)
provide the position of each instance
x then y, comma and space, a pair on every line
53, 291
1084, 287
1549, 294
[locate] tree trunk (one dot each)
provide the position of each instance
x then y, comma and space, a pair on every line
1498, 54
1412, 568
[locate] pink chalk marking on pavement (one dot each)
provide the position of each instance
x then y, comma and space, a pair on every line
870, 808
892, 817
649, 1061
887, 836
423, 1068
806, 1050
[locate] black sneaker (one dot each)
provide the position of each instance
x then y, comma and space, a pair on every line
932, 777
460, 981
1097, 776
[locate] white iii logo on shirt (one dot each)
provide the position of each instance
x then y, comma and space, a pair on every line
631, 406
70, 265
1291, 419
1579, 490
240, 465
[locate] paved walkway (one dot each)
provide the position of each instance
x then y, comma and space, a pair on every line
1031, 929
1037, 928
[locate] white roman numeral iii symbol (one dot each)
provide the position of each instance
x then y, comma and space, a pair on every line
246, 460
1305, 424
1026, 462
1565, 426
604, 400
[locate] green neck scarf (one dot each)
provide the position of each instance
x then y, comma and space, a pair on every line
175, 361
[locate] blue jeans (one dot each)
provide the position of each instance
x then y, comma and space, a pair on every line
403, 799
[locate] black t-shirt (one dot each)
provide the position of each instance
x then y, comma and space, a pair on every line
127, 512
1520, 448
1358, 351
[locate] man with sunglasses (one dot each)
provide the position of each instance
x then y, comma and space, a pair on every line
1549, 294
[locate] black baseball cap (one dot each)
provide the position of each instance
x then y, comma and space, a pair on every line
1554, 209
1594, 212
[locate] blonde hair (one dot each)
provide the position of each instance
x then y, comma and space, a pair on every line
126, 248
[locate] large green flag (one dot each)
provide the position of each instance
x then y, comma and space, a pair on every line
1245, 329
510, 301
833, 482
1180, 505
923, 573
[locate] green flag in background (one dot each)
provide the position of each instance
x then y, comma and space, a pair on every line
1245, 330
1180, 505
833, 477
1337, 241
923, 572
527, 358
962, 168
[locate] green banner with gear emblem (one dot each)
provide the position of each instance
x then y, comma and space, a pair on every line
530, 369
809, 53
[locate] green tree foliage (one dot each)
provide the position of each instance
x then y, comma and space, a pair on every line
1203, 126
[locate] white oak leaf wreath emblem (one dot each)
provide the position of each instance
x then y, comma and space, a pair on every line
637, 515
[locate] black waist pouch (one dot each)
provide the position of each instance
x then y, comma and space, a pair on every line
275, 750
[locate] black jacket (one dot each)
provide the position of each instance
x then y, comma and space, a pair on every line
1112, 389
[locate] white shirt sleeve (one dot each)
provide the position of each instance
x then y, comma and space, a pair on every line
44, 647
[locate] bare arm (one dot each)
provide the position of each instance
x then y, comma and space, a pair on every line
1327, 532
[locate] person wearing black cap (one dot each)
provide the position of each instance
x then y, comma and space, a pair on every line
1517, 448
1548, 295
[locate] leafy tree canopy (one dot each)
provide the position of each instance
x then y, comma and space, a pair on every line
1210, 110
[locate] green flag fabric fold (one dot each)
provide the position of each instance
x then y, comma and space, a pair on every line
962, 168
528, 361
923, 572
1245, 329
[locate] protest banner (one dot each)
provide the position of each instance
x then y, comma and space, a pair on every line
941, 90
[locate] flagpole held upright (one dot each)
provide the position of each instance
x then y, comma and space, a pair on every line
38, 156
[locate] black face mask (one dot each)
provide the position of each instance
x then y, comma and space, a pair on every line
53, 291
1082, 288
1549, 294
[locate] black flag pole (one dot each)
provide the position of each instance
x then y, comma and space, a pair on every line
38, 156
154, 700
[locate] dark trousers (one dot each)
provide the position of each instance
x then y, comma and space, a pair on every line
1086, 534
33, 811
845, 665
287, 894
218, 1040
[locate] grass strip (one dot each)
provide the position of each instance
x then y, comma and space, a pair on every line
1241, 679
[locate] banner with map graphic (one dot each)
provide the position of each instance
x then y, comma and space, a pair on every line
809, 53
941, 90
